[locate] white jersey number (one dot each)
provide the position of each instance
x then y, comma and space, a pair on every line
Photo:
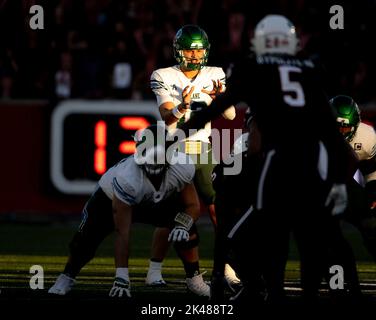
297, 99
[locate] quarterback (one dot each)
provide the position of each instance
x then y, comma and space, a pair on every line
181, 91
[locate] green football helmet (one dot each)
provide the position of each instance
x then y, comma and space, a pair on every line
347, 114
187, 38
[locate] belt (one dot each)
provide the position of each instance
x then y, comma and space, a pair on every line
193, 147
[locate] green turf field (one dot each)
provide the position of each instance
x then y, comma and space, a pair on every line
25, 245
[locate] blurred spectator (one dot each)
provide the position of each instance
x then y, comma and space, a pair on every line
63, 77
141, 88
122, 76
8, 68
114, 44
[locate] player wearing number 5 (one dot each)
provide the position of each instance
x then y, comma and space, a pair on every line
299, 187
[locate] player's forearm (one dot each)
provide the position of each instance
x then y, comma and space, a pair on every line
193, 210
121, 249
122, 214
171, 114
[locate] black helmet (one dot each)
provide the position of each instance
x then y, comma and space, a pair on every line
347, 114
191, 37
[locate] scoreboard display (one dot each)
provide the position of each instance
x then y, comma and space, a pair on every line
88, 137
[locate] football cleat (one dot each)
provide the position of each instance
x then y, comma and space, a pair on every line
154, 279
198, 286
232, 280
63, 285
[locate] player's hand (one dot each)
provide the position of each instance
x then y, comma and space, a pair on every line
186, 96
179, 233
217, 89
337, 195
120, 289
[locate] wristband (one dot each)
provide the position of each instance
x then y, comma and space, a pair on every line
122, 273
177, 114
184, 219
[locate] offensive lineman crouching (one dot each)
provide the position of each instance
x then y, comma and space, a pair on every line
154, 186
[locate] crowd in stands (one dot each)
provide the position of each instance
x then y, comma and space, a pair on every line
108, 48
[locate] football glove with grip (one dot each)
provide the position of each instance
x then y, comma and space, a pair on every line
120, 289
184, 222
337, 195
179, 233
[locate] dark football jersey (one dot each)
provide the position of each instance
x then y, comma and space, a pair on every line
284, 96
288, 103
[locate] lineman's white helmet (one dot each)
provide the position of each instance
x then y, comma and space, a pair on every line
275, 34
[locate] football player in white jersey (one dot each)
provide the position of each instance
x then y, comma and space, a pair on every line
361, 210
180, 91
153, 186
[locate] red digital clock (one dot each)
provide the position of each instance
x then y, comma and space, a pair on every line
88, 137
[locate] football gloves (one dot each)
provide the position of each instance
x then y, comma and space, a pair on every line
179, 233
184, 222
120, 289
338, 196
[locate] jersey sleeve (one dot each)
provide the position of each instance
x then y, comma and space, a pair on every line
371, 142
160, 88
124, 191
367, 163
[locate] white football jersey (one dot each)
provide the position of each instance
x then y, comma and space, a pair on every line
364, 145
129, 182
168, 84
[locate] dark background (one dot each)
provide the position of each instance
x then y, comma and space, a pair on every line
87, 38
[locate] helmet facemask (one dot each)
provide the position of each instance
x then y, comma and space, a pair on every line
347, 131
155, 161
151, 149
188, 63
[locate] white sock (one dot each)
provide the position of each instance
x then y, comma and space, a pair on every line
155, 266
122, 273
